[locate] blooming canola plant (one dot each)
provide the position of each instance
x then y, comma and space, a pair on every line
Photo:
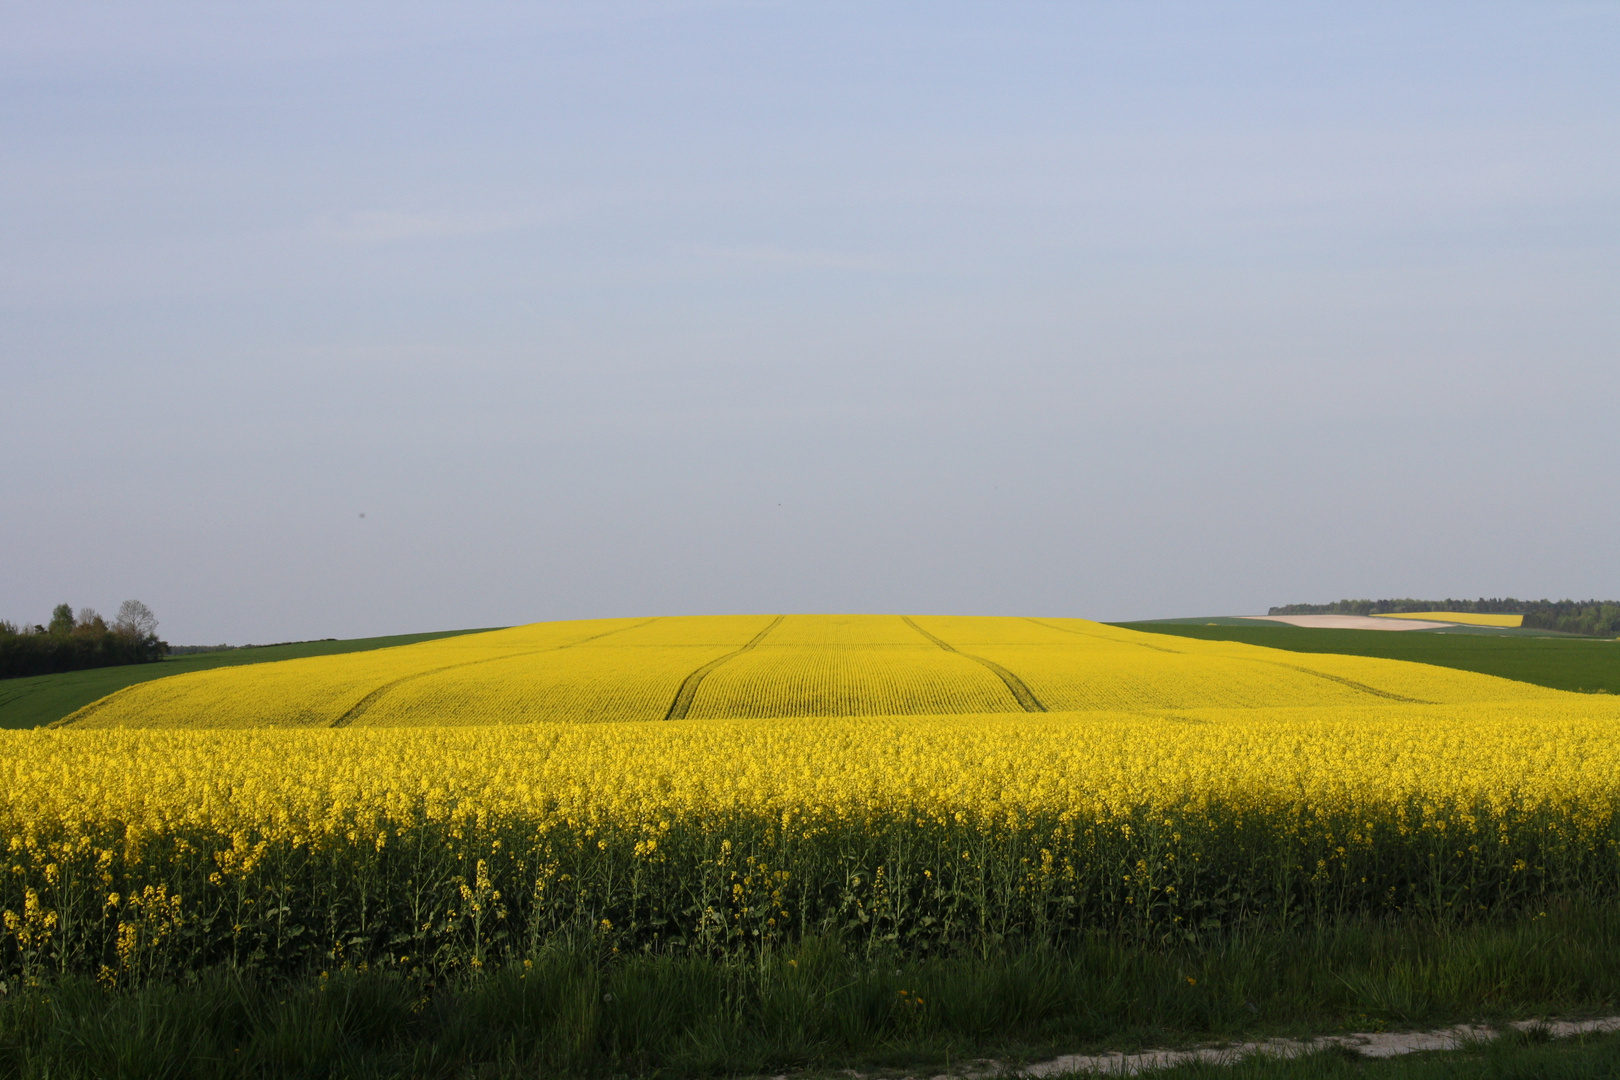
942, 781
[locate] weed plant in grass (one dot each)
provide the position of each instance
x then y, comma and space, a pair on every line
576, 1009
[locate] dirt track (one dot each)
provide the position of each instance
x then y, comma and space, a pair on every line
1372, 1044
1350, 622
1369, 1044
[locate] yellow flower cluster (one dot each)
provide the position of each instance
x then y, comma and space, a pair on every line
1562, 755
440, 845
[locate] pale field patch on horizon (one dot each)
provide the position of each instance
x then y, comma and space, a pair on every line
1467, 618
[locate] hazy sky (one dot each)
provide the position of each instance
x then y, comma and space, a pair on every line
1107, 310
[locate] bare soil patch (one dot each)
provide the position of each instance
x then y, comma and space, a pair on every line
1349, 622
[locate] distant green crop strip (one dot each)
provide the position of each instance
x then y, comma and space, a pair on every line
1561, 663
42, 699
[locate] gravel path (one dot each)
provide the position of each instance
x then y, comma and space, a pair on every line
1373, 1044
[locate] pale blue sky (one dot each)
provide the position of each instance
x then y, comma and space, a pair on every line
1107, 310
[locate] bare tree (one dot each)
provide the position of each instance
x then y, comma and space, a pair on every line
136, 620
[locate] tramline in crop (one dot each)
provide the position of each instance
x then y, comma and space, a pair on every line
759, 666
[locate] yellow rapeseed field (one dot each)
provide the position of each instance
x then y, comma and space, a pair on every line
130, 850
762, 666
1468, 617
941, 782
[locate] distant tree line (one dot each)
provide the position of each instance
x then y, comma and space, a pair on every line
1598, 618
72, 642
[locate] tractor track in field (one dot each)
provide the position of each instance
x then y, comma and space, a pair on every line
1352, 684
1362, 687
359, 708
1101, 637
689, 686
1026, 697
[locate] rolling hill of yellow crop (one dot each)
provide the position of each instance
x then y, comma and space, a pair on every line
756, 666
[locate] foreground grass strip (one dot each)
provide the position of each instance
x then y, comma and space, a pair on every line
1366, 1044
825, 1007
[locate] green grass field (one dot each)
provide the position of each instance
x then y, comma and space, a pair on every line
41, 699
817, 1010
1560, 661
